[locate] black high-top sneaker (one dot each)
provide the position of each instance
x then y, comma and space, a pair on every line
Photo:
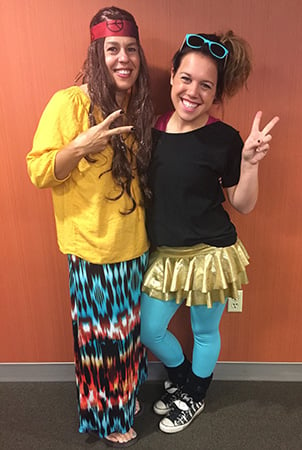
177, 378
189, 404
182, 413
172, 393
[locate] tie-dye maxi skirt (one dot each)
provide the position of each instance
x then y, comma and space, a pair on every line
110, 361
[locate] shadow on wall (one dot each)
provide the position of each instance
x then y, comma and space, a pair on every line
160, 86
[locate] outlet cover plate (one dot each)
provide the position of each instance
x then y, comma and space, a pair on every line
235, 304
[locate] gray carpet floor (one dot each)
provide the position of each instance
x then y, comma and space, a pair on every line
238, 416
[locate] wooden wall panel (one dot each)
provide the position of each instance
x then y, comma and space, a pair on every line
43, 45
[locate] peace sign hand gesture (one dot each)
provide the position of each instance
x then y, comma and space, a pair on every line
257, 144
92, 141
96, 138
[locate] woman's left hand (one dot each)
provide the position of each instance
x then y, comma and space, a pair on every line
257, 144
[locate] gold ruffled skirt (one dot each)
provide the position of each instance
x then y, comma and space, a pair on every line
201, 274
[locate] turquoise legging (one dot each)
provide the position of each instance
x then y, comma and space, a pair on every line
155, 318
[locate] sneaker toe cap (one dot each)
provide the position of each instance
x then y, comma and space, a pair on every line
160, 405
166, 422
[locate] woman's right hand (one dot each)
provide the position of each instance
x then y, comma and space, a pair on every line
96, 138
89, 142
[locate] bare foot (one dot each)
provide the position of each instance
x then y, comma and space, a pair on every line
137, 407
122, 437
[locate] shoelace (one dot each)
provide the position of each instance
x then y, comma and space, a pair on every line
177, 414
169, 397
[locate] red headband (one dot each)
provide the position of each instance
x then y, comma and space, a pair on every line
113, 28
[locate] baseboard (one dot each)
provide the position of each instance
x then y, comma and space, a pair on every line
228, 371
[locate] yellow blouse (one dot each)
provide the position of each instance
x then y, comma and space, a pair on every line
88, 224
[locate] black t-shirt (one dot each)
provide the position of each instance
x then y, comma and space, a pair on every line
186, 176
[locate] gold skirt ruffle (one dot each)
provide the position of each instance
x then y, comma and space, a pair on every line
201, 274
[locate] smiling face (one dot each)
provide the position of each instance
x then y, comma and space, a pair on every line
193, 90
122, 61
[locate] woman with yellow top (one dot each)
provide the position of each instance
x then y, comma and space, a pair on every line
92, 148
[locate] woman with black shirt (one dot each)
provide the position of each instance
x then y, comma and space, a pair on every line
198, 257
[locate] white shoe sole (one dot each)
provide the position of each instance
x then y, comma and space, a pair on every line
160, 412
177, 428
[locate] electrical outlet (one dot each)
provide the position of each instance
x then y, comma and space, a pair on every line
235, 304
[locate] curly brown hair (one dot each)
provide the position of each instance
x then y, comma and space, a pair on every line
233, 71
139, 111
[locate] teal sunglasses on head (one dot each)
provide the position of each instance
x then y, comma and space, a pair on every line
197, 41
